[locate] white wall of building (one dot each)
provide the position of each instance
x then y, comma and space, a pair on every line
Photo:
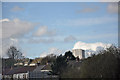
79, 52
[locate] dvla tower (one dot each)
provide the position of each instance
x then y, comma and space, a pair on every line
79, 53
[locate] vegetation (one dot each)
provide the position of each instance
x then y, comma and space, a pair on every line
14, 56
13, 53
37, 60
48, 59
7, 63
69, 55
104, 65
59, 65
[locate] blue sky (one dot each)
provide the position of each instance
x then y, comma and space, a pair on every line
59, 25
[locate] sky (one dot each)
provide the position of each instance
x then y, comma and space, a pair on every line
41, 28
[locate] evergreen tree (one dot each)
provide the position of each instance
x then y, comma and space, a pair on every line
59, 65
69, 55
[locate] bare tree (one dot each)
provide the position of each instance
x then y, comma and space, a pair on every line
13, 53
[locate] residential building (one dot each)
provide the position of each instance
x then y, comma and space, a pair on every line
41, 71
28, 72
17, 72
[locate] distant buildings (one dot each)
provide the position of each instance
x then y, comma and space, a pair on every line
17, 72
79, 53
28, 72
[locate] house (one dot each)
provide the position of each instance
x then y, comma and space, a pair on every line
25, 64
18, 72
32, 64
27, 72
42, 71
4, 72
18, 64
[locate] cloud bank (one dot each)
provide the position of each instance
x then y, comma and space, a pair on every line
44, 31
90, 46
6, 43
53, 50
41, 40
87, 21
88, 10
112, 7
11, 30
15, 28
17, 8
69, 38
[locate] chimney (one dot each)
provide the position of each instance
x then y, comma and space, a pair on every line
38, 64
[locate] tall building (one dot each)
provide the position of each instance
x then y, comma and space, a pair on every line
79, 52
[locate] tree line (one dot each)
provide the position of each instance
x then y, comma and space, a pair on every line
105, 64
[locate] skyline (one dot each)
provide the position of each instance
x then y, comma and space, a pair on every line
40, 28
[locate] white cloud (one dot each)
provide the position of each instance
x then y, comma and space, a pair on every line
6, 43
10, 31
112, 7
52, 51
17, 8
88, 10
87, 21
15, 28
70, 39
98, 36
44, 31
41, 40
3, 20
90, 46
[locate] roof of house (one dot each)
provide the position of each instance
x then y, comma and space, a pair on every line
38, 68
43, 67
17, 70
46, 67
25, 69
5, 71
